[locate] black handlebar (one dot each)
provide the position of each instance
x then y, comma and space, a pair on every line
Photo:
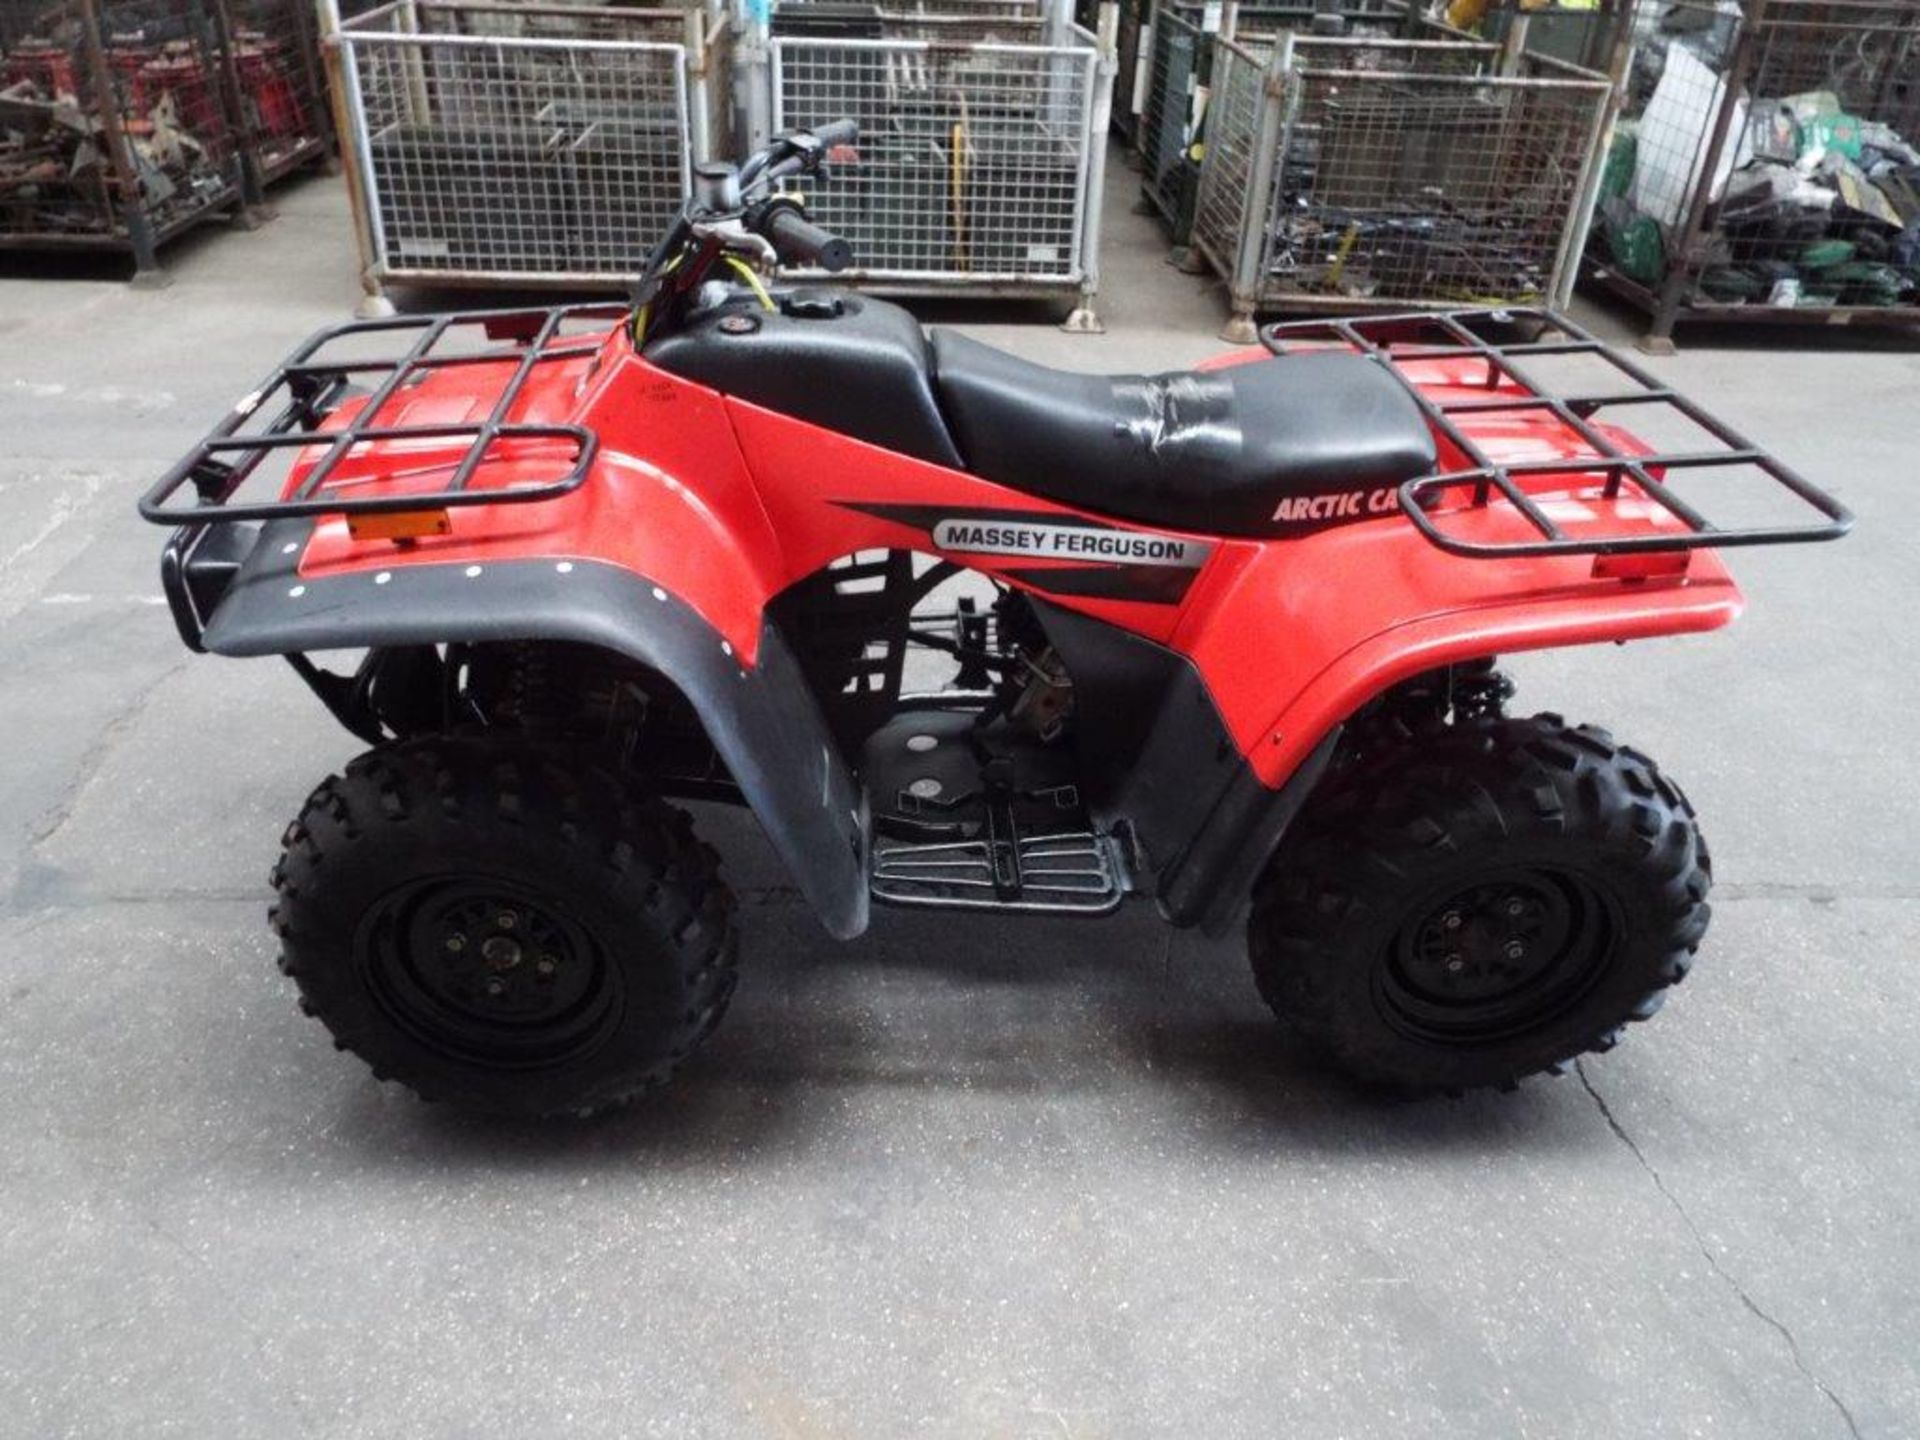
662, 293
801, 242
781, 218
796, 152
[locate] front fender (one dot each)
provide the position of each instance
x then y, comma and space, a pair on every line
761, 716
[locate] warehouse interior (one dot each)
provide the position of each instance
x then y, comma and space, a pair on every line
966, 1175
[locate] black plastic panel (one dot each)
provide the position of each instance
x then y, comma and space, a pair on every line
864, 372
762, 720
1155, 753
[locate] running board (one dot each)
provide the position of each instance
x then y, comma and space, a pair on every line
1071, 874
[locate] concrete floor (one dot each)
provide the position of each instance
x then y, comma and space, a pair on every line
960, 1179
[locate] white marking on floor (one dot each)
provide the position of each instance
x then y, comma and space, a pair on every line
68, 597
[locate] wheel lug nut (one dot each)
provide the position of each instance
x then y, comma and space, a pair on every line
506, 919
1516, 907
456, 943
1452, 920
1515, 950
1455, 964
496, 987
545, 966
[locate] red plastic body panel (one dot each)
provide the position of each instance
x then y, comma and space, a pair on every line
726, 504
669, 498
1290, 648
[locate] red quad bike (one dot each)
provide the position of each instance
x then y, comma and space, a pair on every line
1225, 642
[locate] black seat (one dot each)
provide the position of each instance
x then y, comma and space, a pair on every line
1214, 451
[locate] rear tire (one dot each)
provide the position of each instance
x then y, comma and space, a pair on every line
503, 924
1494, 902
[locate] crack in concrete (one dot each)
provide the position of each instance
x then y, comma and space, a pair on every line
1732, 1282
15, 876
55, 817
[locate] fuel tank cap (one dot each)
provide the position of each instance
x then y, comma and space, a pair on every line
813, 305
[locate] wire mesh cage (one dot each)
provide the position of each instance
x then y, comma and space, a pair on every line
1375, 19
1352, 172
1167, 130
524, 144
1767, 165
1224, 205
955, 22
980, 150
987, 10
114, 131
279, 88
964, 29
1175, 86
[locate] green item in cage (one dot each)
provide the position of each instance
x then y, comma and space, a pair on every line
1825, 254
1730, 285
1862, 282
1616, 176
1638, 251
1838, 133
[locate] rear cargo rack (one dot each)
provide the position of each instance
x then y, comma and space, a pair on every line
310, 383
1608, 474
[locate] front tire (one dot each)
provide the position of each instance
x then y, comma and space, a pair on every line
1495, 901
503, 924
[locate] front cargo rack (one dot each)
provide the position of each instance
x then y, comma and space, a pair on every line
317, 377
1609, 473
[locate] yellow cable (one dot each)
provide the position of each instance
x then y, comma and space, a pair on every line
638, 325
753, 280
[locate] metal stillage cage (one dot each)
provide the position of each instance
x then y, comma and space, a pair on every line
981, 155
1360, 172
279, 86
1767, 166
1171, 86
115, 132
1171, 108
499, 143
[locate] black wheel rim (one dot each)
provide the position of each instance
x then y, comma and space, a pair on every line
1497, 956
488, 972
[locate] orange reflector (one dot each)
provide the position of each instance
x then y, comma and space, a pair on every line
399, 525
1646, 565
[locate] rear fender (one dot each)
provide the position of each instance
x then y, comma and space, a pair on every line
758, 712
1294, 636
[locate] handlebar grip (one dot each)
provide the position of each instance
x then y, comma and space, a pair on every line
801, 242
837, 132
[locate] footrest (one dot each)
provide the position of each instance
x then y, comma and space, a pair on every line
1078, 874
